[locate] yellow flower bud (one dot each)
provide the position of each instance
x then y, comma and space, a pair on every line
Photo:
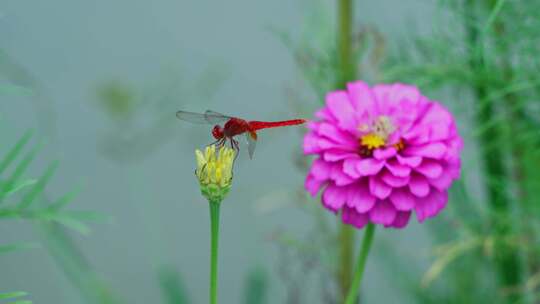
214, 171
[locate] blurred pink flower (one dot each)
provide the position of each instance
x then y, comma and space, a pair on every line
382, 153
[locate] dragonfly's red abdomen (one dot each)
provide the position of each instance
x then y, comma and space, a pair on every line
258, 125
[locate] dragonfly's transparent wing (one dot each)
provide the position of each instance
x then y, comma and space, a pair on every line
208, 117
251, 138
197, 118
215, 117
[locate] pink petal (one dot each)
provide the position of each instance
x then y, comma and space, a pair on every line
435, 113
383, 213
381, 92
410, 161
350, 216
369, 166
439, 131
339, 177
325, 114
402, 199
349, 167
326, 144
433, 150
341, 108
313, 185
398, 169
430, 169
320, 169
311, 143
417, 135
443, 182
360, 199
394, 181
378, 188
313, 125
431, 205
385, 153
335, 155
419, 185
333, 133
361, 97
454, 169
401, 220
334, 197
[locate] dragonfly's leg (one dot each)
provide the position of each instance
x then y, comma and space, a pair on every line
234, 145
214, 143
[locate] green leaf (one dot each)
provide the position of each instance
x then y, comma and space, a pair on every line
15, 151
12, 295
29, 198
72, 223
64, 199
18, 246
18, 186
20, 169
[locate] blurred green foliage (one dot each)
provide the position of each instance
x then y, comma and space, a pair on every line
256, 287
117, 99
23, 198
485, 61
483, 56
142, 116
172, 286
19, 195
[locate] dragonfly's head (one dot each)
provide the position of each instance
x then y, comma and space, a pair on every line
217, 132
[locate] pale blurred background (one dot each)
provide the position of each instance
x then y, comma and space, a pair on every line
136, 165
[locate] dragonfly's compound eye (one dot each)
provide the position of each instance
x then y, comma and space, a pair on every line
217, 132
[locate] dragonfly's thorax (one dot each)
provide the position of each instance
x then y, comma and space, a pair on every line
235, 126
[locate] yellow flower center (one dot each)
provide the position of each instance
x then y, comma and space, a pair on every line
372, 141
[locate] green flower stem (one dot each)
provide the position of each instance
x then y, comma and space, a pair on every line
361, 264
214, 225
346, 255
347, 67
346, 72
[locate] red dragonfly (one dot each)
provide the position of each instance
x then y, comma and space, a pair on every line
227, 127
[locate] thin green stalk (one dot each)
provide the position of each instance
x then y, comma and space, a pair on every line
214, 231
508, 262
361, 264
346, 250
346, 64
346, 73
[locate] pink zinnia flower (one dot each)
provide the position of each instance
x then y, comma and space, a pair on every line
383, 152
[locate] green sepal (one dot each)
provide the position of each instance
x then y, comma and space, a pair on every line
215, 193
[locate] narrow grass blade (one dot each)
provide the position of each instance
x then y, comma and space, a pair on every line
15, 151
12, 295
16, 247
20, 169
29, 198
18, 186
64, 199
